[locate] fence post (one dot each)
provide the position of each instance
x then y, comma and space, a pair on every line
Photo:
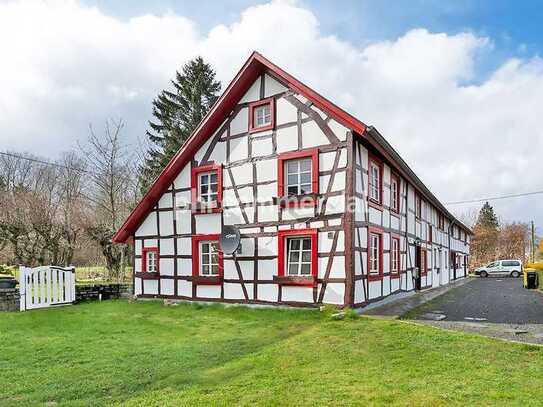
22, 288
72, 284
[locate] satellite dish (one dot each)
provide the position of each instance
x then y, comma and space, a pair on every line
230, 239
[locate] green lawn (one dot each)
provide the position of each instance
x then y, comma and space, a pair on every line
147, 354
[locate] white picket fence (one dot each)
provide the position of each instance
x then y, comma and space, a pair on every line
46, 286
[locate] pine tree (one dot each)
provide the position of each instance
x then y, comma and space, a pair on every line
487, 218
177, 112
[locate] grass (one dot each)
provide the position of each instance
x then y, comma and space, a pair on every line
144, 353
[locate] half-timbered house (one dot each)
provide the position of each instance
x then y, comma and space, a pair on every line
328, 212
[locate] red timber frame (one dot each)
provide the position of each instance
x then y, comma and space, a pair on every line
372, 159
395, 179
196, 277
395, 238
269, 101
282, 277
144, 252
377, 231
299, 200
196, 206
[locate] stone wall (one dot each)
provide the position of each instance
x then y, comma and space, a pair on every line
9, 299
108, 291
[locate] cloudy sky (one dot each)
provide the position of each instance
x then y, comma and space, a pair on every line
455, 86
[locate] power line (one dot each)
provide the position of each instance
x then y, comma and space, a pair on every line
36, 160
495, 198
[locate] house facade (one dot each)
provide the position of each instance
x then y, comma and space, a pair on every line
327, 210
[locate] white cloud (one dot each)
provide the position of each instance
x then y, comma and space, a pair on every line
65, 65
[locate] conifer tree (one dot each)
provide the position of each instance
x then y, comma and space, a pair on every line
487, 218
176, 113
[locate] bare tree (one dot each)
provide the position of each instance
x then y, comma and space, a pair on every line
111, 168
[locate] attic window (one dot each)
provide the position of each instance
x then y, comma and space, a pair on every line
261, 115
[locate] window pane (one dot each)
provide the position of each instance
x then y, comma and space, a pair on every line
306, 257
306, 269
214, 187
295, 244
292, 190
305, 165
204, 189
213, 178
305, 178
292, 180
292, 269
294, 256
215, 269
292, 167
307, 244
305, 188
205, 270
204, 179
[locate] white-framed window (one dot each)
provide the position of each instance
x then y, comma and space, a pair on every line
395, 255
375, 249
262, 115
299, 256
209, 258
375, 181
151, 261
299, 176
208, 187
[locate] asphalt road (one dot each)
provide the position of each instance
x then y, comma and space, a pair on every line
495, 300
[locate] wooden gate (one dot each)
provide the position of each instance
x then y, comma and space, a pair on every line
46, 286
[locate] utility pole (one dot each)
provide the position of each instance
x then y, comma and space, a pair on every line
532, 244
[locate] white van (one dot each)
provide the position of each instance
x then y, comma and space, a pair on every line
502, 268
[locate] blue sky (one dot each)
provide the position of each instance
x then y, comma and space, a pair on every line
514, 26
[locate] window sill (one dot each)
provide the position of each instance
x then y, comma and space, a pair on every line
375, 204
297, 201
201, 280
147, 276
375, 277
259, 129
295, 280
204, 210
395, 213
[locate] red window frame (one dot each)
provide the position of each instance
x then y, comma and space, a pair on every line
195, 190
395, 238
144, 252
374, 230
310, 199
269, 101
395, 178
282, 235
441, 221
423, 262
418, 206
371, 201
197, 278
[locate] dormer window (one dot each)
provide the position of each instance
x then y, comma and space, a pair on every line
261, 115
206, 188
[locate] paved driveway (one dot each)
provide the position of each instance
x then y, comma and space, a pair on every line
494, 300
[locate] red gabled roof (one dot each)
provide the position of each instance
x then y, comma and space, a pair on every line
255, 65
